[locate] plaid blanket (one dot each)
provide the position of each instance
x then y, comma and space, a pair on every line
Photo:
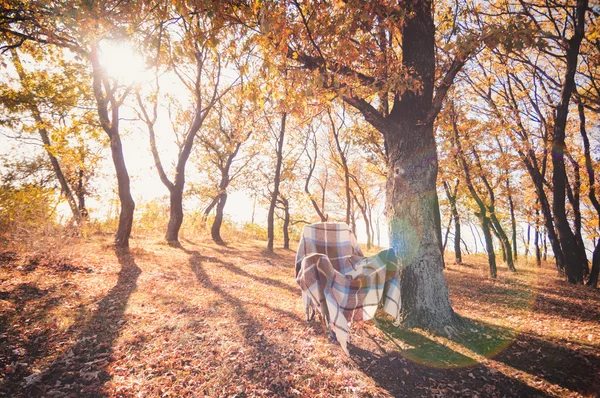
339, 282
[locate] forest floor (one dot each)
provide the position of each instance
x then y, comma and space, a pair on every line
209, 320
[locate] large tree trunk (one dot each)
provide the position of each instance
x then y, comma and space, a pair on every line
276, 181
573, 266
414, 228
215, 230
412, 204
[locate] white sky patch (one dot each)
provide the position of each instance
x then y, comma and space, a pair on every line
122, 62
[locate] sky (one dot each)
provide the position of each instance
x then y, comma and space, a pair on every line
123, 63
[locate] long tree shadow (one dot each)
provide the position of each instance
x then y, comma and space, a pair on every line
575, 370
252, 330
15, 345
237, 270
556, 363
419, 366
81, 370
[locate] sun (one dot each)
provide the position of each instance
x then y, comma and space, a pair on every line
122, 62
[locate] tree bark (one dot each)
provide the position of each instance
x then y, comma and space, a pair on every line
527, 242
497, 227
593, 278
574, 193
538, 251
80, 193
411, 200
286, 222
104, 95
573, 266
276, 181
215, 230
175, 215
513, 220
486, 224
452, 199
210, 207
537, 177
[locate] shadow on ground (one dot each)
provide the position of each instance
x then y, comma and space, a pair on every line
273, 375
524, 363
81, 369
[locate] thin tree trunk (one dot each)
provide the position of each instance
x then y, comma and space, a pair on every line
482, 214
363, 207
80, 193
209, 208
544, 240
104, 95
497, 227
446, 234
313, 164
528, 241
175, 216
124, 189
465, 246
513, 220
215, 230
538, 252
573, 194
363, 211
475, 237
496, 235
253, 209
452, 199
593, 278
573, 266
64, 185
286, 222
538, 182
344, 164
276, 181
378, 229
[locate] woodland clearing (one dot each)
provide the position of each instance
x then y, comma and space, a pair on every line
212, 320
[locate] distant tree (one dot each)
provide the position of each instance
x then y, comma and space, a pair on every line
230, 127
193, 44
48, 24
52, 104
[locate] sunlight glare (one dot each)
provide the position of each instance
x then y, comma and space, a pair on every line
122, 62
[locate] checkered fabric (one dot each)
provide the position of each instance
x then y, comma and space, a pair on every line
339, 282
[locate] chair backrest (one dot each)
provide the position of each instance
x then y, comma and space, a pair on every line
334, 240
